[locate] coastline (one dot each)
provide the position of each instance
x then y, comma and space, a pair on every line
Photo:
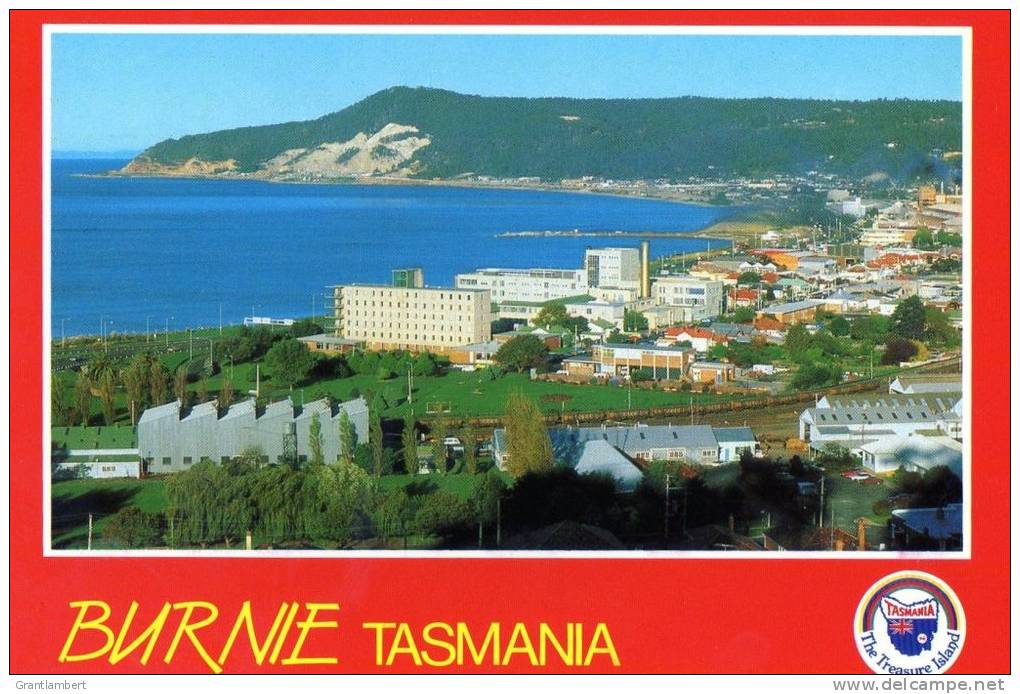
644, 193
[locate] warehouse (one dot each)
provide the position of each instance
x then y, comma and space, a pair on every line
172, 438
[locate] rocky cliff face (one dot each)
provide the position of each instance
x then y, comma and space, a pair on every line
388, 151
384, 152
144, 166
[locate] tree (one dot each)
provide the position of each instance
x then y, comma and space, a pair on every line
908, 319
816, 375
315, 441
470, 451
634, 321
289, 362
798, 341
748, 279
348, 438
158, 378
226, 392
345, 494
82, 398
131, 527
58, 410
181, 385
839, 326
522, 353
439, 450
305, 327
550, 315
897, 349
425, 364
938, 330
136, 383
743, 314
529, 448
485, 497
375, 439
923, 239
409, 445
642, 374
202, 394
107, 387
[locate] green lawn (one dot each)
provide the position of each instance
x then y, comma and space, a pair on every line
848, 500
460, 484
475, 394
73, 501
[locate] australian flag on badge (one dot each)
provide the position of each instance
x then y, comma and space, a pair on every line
911, 626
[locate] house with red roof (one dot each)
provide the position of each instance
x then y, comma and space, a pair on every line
742, 296
701, 339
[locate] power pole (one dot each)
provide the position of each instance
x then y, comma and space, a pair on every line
821, 502
499, 521
665, 533
90, 532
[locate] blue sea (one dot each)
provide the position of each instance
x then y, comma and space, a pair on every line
176, 251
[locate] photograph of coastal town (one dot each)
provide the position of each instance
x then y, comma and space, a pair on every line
409, 292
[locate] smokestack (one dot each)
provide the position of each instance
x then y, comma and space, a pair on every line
646, 283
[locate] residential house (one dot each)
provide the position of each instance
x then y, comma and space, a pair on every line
712, 372
927, 529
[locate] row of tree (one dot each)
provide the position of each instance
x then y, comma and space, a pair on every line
334, 505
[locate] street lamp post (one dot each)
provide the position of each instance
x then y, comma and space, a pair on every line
166, 330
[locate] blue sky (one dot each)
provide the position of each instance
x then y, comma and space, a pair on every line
126, 92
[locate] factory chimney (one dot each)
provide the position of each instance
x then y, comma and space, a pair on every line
646, 283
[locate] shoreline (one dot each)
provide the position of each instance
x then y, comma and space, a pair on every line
643, 194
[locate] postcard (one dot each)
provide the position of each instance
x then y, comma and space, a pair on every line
509, 342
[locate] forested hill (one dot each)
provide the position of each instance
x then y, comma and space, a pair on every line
432, 133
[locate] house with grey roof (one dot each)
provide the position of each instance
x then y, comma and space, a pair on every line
927, 528
733, 442
916, 453
853, 426
598, 457
934, 383
697, 444
171, 438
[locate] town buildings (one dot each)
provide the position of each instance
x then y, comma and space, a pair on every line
696, 299
698, 444
613, 268
528, 285
412, 318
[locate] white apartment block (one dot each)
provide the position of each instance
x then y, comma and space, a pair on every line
697, 299
887, 236
532, 284
618, 268
412, 318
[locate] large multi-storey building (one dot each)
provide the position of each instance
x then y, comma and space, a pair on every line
532, 284
413, 318
697, 299
614, 268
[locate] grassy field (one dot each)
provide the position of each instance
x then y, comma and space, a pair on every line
460, 484
73, 500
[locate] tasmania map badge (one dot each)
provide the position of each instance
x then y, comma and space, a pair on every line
910, 623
